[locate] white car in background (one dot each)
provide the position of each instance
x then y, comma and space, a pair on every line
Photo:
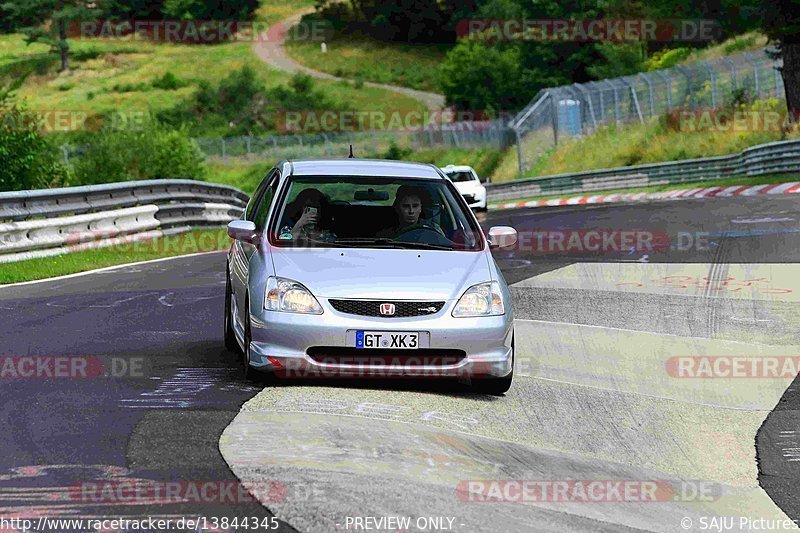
468, 185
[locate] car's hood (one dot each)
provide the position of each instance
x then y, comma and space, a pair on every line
382, 274
467, 186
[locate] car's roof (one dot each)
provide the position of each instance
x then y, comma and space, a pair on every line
360, 167
457, 168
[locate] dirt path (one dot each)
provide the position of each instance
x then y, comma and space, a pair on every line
273, 52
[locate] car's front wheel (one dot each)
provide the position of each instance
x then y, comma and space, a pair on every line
230, 337
250, 373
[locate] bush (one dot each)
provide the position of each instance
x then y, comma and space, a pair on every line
152, 151
241, 105
477, 76
397, 152
28, 160
168, 82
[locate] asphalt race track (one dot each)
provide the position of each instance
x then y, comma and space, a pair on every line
600, 394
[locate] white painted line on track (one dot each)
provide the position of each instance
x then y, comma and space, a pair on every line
106, 269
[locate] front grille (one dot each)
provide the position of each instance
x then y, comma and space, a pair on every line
469, 198
373, 308
334, 355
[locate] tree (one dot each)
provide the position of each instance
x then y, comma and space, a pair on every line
28, 160
49, 20
780, 20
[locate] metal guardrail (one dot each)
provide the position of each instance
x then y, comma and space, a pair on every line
772, 158
47, 222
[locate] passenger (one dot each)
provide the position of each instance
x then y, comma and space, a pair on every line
304, 216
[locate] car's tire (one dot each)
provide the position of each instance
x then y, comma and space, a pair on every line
250, 373
496, 386
231, 344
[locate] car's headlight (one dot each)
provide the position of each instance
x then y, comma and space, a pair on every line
483, 299
290, 296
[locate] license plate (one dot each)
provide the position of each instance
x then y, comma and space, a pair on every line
392, 340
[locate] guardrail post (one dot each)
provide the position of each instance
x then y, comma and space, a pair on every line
585, 95
650, 89
635, 100
223, 147
753, 62
733, 71
713, 83
616, 100
668, 82
554, 112
686, 72
519, 152
249, 152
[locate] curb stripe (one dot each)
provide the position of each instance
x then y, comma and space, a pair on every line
702, 192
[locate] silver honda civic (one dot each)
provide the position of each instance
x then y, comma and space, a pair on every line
365, 268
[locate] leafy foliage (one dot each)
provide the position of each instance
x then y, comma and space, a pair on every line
150, 151
241, 105
28, 160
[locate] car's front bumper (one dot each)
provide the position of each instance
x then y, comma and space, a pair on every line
280, 343
476, 200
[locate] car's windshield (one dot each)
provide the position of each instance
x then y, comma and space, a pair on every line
372, 212
460, 176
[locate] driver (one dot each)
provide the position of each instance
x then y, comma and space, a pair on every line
408, 204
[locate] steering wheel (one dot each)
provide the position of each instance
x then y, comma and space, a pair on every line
420, 226
424, 234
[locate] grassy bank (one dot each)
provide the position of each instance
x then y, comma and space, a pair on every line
200, 240
108, 76
659, 140
414, 66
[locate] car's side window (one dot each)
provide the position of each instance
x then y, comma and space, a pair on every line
254, 200
265, 203
258, 196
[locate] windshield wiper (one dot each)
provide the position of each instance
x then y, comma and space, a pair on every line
390, 243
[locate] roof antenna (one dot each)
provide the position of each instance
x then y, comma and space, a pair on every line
351, 156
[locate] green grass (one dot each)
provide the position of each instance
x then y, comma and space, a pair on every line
747, 42
199, 240
725, 182
273, 11
242, 174
414, 66
653, 142
483, 160
93, 84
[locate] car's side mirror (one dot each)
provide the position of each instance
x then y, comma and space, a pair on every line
502, 237
242, 230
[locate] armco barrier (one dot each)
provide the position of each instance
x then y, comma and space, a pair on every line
772, 158
48, 222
